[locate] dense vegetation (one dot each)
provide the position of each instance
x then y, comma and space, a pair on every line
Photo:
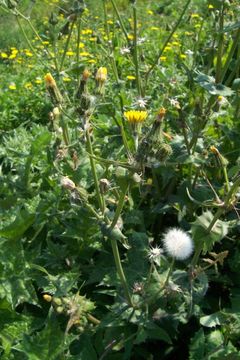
119, 180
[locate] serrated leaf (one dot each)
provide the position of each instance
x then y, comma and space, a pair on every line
16, 285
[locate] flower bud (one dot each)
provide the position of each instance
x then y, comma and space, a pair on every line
47, 297
67, 183
101, 75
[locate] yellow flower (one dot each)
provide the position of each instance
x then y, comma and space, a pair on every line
28, 53
183, 56
130, 37
210, 6
66, 79
12, 86
81, 45
38, 80
85, 75
101, 75
150, 12
4, 55
84, 54
131, 77
49, 80
135, 116
163, 58
28, 85
92, 61
69, 53
154, 28
195, 16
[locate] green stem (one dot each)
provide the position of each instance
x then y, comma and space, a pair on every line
226, 178
167, 40
94, 172
169, 272
38, 37
230, 55
119, 206
120, 20
66, 46
220, 47
135, 49
120, 271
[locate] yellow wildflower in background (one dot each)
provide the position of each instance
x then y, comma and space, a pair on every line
4, 55
12, 86
135, 116
28, 85
131, 77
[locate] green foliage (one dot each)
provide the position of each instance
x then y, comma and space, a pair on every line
87, 192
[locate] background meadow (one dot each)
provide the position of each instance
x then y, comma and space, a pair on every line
119, 164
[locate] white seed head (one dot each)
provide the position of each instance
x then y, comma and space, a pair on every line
178, 244
154, 252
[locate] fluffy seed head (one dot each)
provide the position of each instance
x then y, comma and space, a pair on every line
178, 244
135, 116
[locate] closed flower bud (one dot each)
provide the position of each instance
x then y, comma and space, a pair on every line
47, 297
178, 244
101, 75
86, 74
67, 183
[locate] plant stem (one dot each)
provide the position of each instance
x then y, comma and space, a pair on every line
120, 21
220, 46
169, 272
135, 54
119, 206
230, 55
167, 41
66, 46
94, 172
120, 270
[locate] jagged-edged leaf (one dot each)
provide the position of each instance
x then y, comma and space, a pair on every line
47, 344
15, 285
42, 140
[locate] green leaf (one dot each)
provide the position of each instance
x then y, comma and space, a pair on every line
47, 344
22, 222
201, 234
197, 346
16, 285
41, 141
213, 320
208, 83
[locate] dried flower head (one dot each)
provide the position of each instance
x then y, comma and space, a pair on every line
154, 253
101, 75
135, 116
178, 244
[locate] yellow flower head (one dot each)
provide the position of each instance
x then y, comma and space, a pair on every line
49, 81
101, 75
135, 116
